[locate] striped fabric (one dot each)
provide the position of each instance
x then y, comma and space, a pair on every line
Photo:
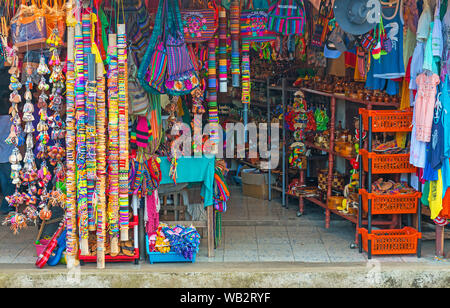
254, 26
157, 68
287, 17
180, 62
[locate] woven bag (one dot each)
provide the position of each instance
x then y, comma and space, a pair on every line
200, 21
152, 70
287, 17
254, 24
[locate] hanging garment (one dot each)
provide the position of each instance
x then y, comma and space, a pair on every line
417, 150
390, 86
391, 66
437, 40
411, 15
437, 138
430, 63
445, 65
425, 194
423, 27
405, 103
425, 101
409, 45
445, 174
429, 174
445, 100
445, 212
435, 196
417, 64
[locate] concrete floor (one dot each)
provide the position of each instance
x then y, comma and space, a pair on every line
256, 231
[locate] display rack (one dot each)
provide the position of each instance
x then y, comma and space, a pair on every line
269, 90
134, 223
386, 241
331, 159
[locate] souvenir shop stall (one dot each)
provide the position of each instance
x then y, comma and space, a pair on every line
347, 104
378, 113
117, 108
97, 89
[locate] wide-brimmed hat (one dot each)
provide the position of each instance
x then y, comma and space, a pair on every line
351, 15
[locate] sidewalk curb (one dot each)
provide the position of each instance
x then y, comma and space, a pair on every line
232, 275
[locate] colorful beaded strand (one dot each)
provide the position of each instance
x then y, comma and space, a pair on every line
123, 131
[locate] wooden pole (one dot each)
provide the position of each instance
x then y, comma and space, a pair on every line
440, 236
210, 210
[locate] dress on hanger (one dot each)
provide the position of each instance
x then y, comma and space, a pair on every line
445, 66
417, 150
423, 27
417, 64
425, 101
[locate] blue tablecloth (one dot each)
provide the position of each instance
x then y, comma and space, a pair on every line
192, 169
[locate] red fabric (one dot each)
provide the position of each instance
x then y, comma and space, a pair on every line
350, 59
445, 212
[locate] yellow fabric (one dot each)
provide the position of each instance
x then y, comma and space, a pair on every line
435, 196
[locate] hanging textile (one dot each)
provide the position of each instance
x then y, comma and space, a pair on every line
212, 96
235, 34
223, 76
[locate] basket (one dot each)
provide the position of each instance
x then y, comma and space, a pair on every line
390, 242
337, 183
169, 257
40, 247
390, 203
387, 163
387, 120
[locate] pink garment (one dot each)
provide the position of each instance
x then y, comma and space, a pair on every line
151, 211
425, 101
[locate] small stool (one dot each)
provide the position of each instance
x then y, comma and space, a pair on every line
178, 207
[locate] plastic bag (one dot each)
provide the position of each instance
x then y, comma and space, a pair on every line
28, 25
55, 15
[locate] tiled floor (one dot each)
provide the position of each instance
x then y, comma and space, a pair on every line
256, 231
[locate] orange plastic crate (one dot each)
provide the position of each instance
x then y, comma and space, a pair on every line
390, 203
391, 242
386, 163
387, 120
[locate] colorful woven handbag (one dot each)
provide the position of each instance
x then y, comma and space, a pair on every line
287, 17
321, 21
254, 24
200, 21
181, 77
152, 71
368, 41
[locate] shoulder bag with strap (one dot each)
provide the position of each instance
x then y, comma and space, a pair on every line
287, 17
199, 24
152, 71
321, 27
254, 24
181, 77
